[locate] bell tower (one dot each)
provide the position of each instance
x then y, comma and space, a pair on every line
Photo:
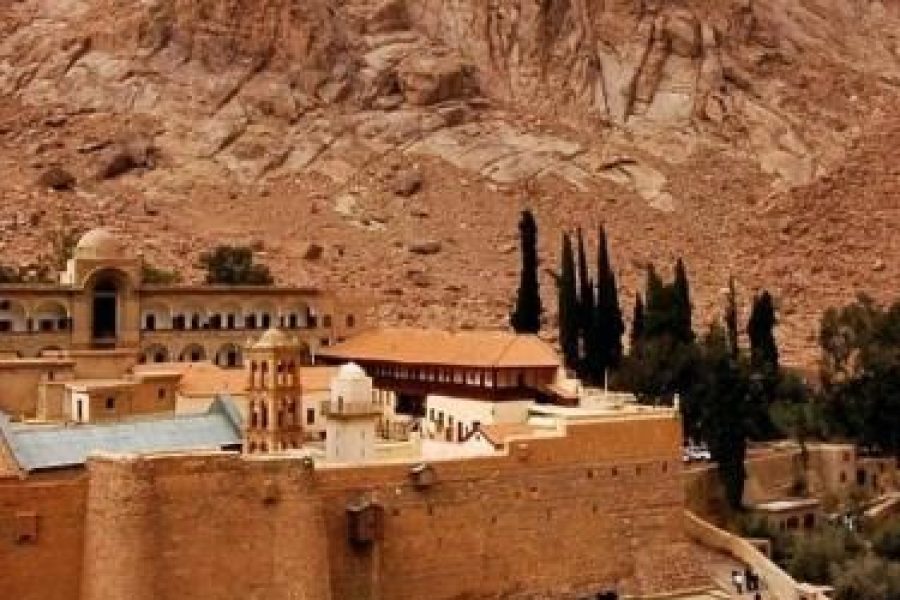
275, 410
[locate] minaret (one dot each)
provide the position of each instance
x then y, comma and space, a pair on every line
275, 410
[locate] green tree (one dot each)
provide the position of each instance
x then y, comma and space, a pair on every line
637, 326
866, 578
234, 265
861, 374
731, 320
608, 325
681, 307
886, 541
718, 393
585, 308
664, 365
526, 318
814, 555
568, 305
658, 307
761, 331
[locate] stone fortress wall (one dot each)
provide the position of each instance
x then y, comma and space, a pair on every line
599, 509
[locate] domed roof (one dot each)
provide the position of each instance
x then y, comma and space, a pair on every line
273, 338
351, 371
100, 243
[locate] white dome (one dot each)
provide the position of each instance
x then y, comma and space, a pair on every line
100, 243
351, 371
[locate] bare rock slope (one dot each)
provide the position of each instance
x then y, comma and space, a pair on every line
753, 137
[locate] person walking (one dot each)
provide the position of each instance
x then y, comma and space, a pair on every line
739, 582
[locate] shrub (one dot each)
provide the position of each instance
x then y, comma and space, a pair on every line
886, 541
156, 276
233, 265
10, 275
867, 578
814, 555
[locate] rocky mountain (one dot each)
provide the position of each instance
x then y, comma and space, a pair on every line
386, 147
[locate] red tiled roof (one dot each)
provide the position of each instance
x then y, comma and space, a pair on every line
440, 347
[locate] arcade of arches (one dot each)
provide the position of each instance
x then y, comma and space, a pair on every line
101, 304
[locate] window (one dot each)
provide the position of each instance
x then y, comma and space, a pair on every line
110, 404
161, 393
5, 326
266, 320
310, 416
326, 321
150, 322
351, 321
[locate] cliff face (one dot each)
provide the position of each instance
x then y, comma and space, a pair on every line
367, 127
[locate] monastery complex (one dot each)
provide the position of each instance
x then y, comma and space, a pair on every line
228, 442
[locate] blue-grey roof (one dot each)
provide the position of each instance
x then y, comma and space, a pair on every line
37, 447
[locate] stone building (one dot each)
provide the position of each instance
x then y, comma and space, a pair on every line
102, 303
447, 384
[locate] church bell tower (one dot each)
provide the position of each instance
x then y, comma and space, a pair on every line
275, 410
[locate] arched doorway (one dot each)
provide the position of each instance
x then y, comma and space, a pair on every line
105, 312
192, 353
229, 356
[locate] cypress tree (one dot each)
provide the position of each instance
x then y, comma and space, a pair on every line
657, 307
731, 319
609, 324
761, 330
568, 305
526, 318
637, 325
586, 291
682, 325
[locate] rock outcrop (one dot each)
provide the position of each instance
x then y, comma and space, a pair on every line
683, 125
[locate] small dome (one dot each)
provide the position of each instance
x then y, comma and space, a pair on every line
351, 371
100, 243
273, 338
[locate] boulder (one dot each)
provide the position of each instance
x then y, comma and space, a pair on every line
427, 80
128, 156
312, 251
387, 16
57, 178
406, 182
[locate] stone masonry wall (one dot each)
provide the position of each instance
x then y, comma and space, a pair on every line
600, 509
47, 566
